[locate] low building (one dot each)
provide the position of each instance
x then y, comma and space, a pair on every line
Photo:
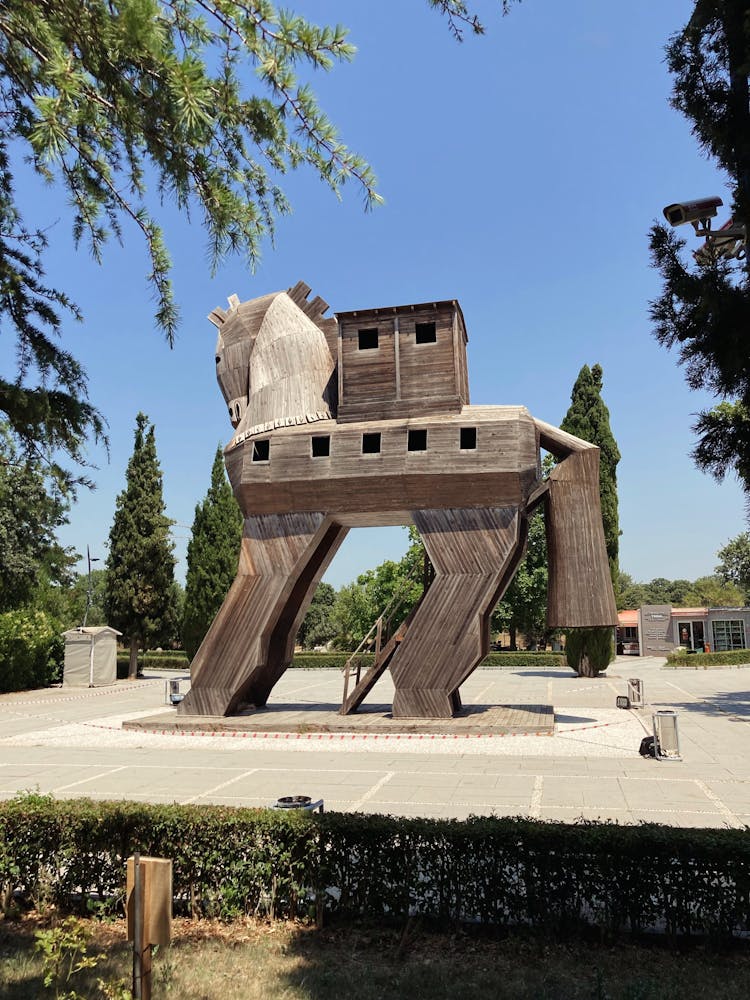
90, 656
657, 629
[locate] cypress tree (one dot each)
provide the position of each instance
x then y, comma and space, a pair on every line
588, 418
140, 565
212, 556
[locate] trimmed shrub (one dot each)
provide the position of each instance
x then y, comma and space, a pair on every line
555, 878
731, 657
588, 651
330, 661
522, 658
153, 660
226, 862
31, 650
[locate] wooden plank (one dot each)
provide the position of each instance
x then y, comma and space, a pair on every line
580, 587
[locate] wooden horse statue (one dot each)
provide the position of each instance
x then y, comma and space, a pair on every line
363, 419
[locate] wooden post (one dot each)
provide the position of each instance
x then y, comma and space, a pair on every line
139, 926
149, 911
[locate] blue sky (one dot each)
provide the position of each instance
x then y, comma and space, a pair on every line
521, 173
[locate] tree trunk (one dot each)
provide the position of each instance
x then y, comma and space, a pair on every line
133, 666
512, 635
586, 668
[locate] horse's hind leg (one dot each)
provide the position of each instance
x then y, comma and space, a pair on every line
251, 641
475, 552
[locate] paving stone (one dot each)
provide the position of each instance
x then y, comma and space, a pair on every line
74, 744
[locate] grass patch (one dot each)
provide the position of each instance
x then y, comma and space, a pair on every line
251, 959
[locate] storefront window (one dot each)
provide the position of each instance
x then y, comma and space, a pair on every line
728, 634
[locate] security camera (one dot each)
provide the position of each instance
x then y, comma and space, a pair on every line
692, 211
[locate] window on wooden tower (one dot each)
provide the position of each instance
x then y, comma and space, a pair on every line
468, 438
417, 441
368, 339
321, 446
425, 333
261, 450
370, 444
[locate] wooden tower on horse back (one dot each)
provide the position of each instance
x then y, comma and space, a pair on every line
363, 420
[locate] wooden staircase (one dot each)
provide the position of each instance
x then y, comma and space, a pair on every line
383, 644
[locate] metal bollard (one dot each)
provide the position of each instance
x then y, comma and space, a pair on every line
635, 692
666, 736
172, 695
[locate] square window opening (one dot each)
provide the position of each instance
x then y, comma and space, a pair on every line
417, 440
368, 339
425, 333
468, 438
321, 446
370, 444
261, 450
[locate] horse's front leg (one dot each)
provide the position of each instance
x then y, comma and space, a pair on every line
251, 641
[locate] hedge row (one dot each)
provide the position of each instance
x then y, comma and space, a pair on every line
153, 661
177, 660
311, 661
550, 876
728, 658
521, 658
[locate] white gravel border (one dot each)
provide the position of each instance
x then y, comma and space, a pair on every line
615, 734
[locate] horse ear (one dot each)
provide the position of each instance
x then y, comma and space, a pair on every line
217, 317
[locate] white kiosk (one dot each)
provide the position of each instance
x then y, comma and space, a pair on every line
90, 656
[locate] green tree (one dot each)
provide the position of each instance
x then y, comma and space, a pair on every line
68, 604
678, 592
588, 418
630, 595
210, 101
713, 592
171, 632
734, 562
140, 565
317, 628
33, 506
358, 605
658, 591
212, 556
704, 309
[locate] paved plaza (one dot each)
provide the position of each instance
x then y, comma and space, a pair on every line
70, 742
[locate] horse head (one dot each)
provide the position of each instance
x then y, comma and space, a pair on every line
273, 363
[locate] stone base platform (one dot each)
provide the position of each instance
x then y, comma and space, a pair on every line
472, 720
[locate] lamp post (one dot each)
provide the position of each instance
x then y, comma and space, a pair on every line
88, 589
